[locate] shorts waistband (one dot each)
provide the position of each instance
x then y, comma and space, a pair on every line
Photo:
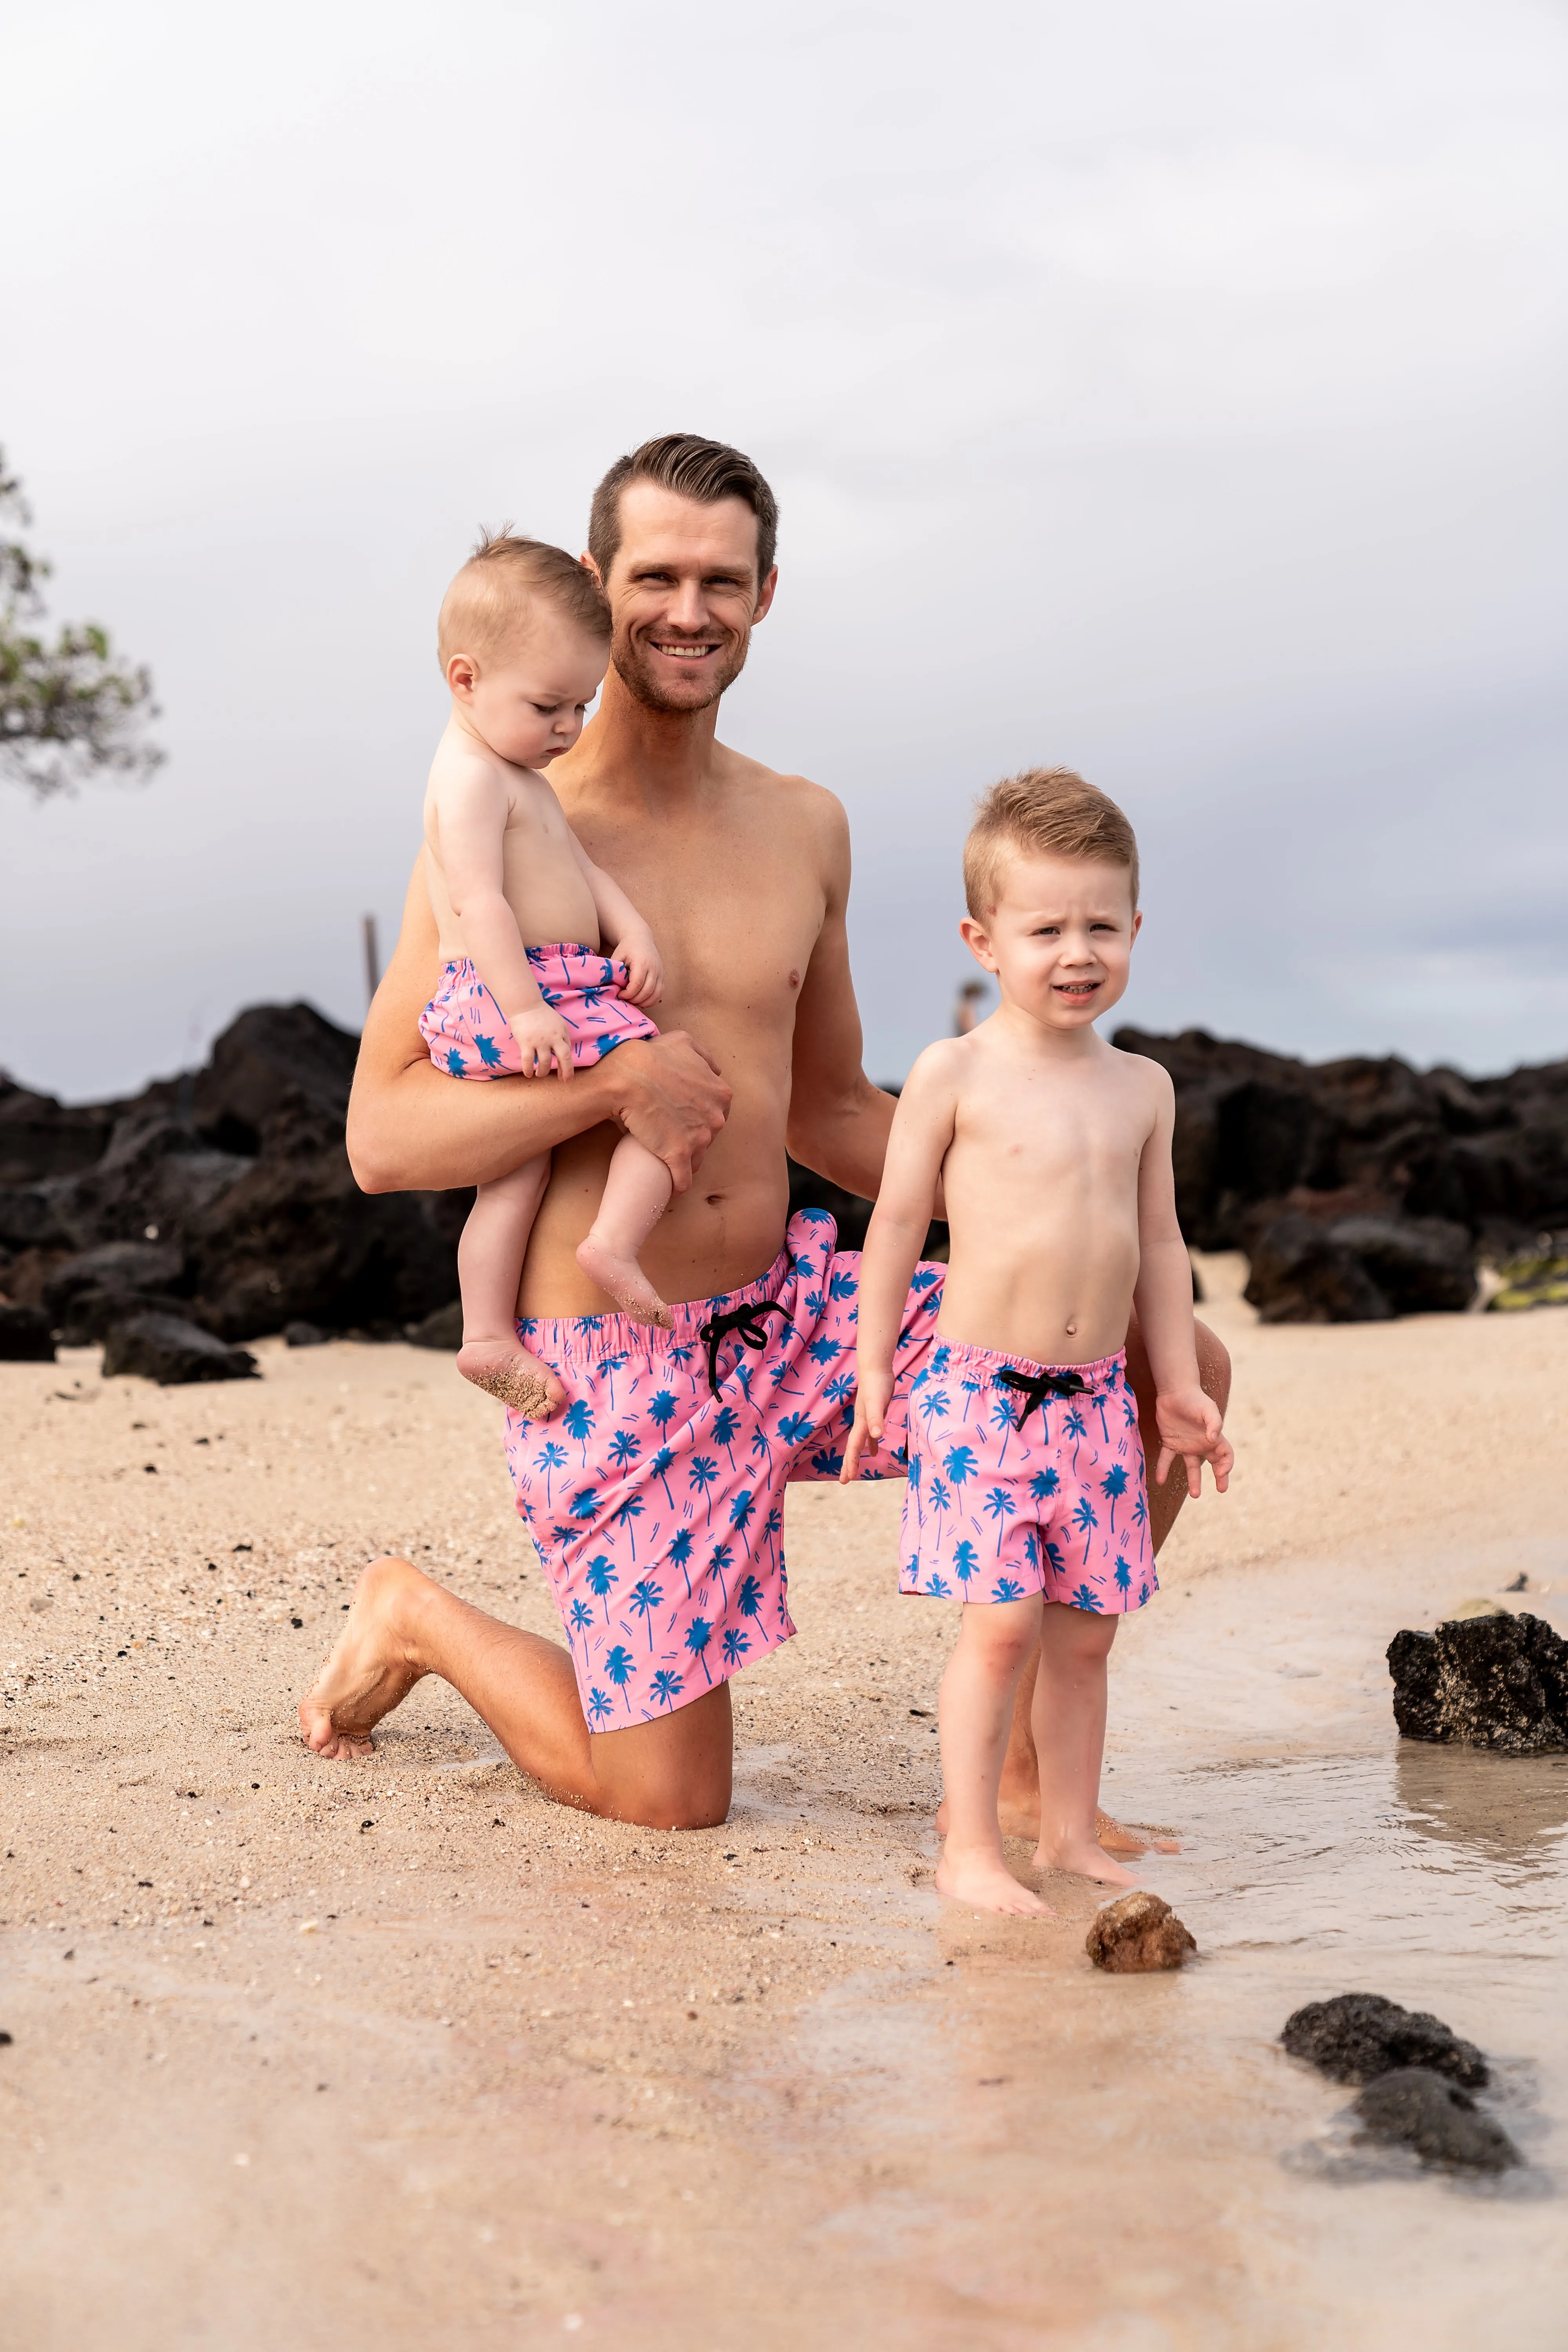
986, 1363
586, 1340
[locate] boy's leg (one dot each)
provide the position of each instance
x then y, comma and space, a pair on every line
1020, 1793
489, 1268
972, 1710
636, 1193
672, 1773
1069, 1738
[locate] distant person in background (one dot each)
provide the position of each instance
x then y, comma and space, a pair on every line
656, 1494
966, 1006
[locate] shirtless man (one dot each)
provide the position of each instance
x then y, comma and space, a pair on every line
744, 875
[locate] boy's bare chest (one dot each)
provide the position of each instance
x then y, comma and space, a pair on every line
1035, 1127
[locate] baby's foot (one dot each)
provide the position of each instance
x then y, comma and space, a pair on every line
984, 1883
504, 1369
1085, 1859
623, 1279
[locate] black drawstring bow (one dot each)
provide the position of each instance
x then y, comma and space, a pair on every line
740, 1323
1038, 1386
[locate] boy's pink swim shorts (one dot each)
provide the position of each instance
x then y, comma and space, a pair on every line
654, 1496
466, 1029
1025, 1479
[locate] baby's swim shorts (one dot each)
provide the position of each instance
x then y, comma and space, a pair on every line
467, 1031
1025, 1479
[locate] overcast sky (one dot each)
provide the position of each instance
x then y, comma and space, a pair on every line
1176, 391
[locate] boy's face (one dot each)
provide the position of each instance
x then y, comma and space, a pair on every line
528, 698
1059, 938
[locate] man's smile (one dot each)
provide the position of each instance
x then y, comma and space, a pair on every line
683, 652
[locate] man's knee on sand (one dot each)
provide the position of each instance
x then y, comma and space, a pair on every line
675, 1773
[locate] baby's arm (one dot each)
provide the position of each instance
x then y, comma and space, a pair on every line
622, 928
470, 802
917, 1146
1189, 1421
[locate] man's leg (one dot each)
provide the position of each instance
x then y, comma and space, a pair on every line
1019, 1803
672, 1773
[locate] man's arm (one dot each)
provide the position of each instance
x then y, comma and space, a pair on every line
838, 1121
411, 1128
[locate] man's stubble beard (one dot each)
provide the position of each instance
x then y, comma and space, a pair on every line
627, 661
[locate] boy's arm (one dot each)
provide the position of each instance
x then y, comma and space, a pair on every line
922, 1131
410, 1127
1189, 1421
470, 813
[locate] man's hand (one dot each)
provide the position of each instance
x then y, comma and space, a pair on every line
541, 1037
673, 1100
873, 1395
644, 970
1190, 1426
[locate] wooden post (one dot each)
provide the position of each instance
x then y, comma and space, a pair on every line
372, 960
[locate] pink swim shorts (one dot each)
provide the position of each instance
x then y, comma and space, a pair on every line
466, 1029
654, 1496
1024, 1478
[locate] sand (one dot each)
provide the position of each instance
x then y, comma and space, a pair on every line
399, 2051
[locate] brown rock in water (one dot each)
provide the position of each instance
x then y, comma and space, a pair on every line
1138, 1933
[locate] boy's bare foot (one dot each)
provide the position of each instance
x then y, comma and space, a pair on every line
370, 1670
504, 1369
984, 1883
623, 1279
1085, 1861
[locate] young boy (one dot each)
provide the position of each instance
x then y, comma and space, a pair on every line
523, 916
1027, 1495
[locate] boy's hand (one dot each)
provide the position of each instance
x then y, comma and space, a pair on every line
644, 972
873, 1395
542, 1037
1190, 1425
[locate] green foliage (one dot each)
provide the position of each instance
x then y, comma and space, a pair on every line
68, 711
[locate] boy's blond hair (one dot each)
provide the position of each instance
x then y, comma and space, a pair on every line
1047, 811
489, 599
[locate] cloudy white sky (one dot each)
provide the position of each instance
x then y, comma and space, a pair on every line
1176, 390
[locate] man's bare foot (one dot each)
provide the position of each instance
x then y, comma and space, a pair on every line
371, 1671
1117, 1838
1085, 1861
623, 1279
520, 1381
1018, 1812
984, 1883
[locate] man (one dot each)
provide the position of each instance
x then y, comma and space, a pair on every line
744, 877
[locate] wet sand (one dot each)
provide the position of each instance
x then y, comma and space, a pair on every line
306, 2052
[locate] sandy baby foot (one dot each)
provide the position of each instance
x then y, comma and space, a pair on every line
369, 1671
983, 1882
1117, 1838
509, 1372
1085, 1860
623, 1279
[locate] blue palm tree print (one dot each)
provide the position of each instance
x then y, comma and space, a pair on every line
1077, 1428
726, 1427
578, 1423
625, 1447
599, 1708
701, 1472
965, 1561
734, 1646
1044, 1485
827, 1463
645, 1597
661, 1409
794, 1428
749, 1598
619, 1664
1085, 1521
550, 1457
959, 1463
722, 1560
699, 1633
456, 1064
939, 1588
489, 1053
1086, 1597
825, 1351
1006, 1588
1113, 1486
602, 1580
1005, 1421
934, 1405
740, 1510
1097, 1403
1000, 1506
666, 1686
630, 1511
584, 1502
1123, 1574
680, 1552
662, 1463
842, 1286
580, 1614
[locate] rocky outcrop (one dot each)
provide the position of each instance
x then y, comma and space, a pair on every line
165, 1348
1357, 2036
1137, 1934
1497, 1681
1433, 2116
1359, 1269
26, 1336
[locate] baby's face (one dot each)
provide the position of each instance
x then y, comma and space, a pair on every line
1060, 937
528, 700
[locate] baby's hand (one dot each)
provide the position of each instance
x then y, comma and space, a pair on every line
644, 972
872, 1398
1190, 1425
542, 1037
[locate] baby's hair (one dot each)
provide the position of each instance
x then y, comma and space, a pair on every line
505, 574
1047, 811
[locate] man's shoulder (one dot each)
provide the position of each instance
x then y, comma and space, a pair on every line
786, 794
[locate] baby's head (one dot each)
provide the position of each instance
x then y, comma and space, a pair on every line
524, 636
1050, 872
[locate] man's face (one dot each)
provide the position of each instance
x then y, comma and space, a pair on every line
684, 596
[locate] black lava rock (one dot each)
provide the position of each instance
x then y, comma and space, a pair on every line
1496, 1682
1358, 2036
304, 1334
1299, 1274
1423, 1265
27, 1336
164, 1349
1433, 2115
442, 1330
133, 1268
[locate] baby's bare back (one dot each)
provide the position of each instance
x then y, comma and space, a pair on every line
1041, 1180
540, 878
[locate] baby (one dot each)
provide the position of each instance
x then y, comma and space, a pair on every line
524, 917
1027, 1495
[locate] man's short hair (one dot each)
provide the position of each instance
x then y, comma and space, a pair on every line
489, 599
1043, 812
704, 470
